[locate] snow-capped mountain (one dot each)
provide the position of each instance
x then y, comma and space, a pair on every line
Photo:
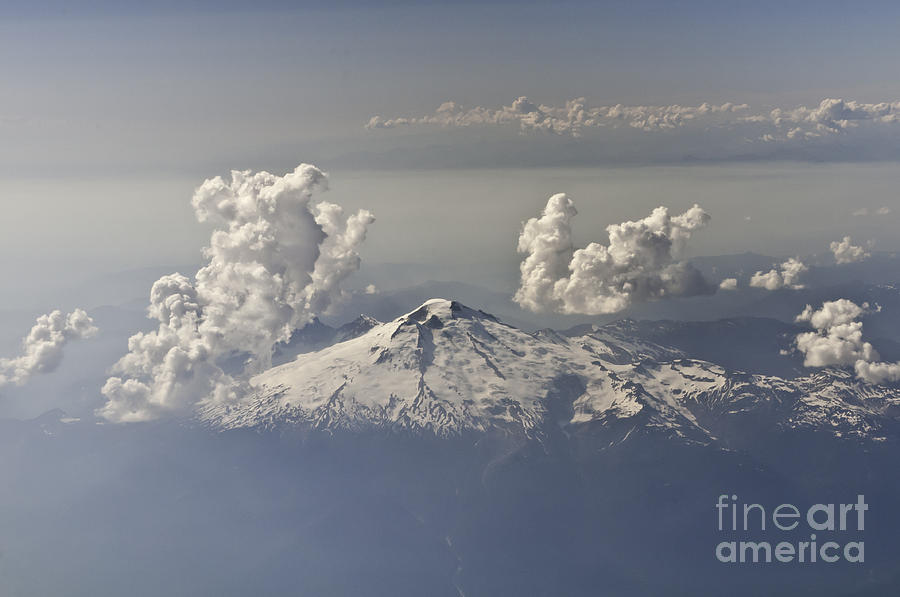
447, 369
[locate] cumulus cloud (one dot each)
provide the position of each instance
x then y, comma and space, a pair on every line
640, 263
728, 284
877, 372
42, 348
275, 259
784, 276
846, 252
838, 341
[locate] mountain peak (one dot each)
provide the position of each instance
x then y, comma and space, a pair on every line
355, 328
438, 311
435, 306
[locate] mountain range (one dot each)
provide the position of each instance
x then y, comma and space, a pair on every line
447, 369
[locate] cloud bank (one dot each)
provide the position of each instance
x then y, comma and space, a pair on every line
575, 117
275, 259
833, 116
640, 263
571, 119
837, 341
42, 348
784, 276
579, 132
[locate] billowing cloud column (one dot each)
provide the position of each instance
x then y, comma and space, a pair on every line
275, 260
640, 263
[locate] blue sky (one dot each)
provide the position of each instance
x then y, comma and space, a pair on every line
174, 88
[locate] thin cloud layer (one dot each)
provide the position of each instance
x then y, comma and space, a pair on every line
831, 116
784, 276
571, 119
838, 341
275, 260
640, 263
865, 211
846, 252
43, 347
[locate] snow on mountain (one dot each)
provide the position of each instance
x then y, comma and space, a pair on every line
447, 369
443, 367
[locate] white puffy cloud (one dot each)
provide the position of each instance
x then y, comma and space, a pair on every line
728, 284
784, 276
838, 341
846, 252
42, 348
275, 259
640, 263
832, 313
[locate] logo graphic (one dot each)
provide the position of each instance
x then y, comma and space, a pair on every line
842, 524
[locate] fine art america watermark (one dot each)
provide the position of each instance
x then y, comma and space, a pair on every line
841, 524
